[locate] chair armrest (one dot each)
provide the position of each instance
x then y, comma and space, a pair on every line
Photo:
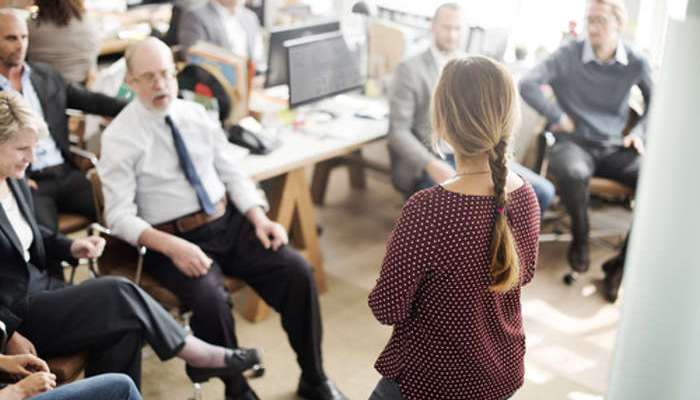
545, 145
99, 230
83, 158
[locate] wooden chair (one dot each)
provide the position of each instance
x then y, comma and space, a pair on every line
69, 223
69, 368
120, 258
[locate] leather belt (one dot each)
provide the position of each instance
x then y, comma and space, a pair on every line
195, 220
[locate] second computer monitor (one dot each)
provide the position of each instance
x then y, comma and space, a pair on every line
277, 54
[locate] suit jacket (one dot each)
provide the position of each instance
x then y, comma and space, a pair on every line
203, 23
409, 136
56, 95
47, 249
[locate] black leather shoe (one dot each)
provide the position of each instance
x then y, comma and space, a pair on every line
237, 361
325, 391
247, 395
578, 257
613, 278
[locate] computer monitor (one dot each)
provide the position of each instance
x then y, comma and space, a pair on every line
491, 42
277, 54
321, 66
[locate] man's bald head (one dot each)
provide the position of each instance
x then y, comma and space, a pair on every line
140, 54
151, 73
13, 39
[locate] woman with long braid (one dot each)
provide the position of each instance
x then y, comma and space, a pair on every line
459, 254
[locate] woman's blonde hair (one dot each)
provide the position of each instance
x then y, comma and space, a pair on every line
475, 107
16, 115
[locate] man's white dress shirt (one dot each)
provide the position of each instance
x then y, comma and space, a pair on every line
142, 180
237, 34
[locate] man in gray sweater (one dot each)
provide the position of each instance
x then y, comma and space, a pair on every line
591, 80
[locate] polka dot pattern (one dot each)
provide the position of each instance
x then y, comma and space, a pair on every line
453, 338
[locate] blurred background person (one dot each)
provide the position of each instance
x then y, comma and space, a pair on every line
64, 36
591, 79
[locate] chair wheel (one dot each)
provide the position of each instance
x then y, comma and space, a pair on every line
257, 371
569, 278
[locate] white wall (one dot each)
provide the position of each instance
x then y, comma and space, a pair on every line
658, 347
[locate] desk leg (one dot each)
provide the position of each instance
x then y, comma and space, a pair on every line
322, 171
319, 183
358, 178
291, 206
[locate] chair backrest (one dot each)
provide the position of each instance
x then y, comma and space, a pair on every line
122, 259
97, 196
71, 223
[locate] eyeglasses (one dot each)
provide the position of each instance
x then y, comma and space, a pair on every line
151, 77
598, 21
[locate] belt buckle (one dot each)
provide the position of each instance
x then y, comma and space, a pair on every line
180, 225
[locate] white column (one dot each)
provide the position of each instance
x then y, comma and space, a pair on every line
657, 354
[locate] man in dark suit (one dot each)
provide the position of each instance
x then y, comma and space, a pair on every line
58, 185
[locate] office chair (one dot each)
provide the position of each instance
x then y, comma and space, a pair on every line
607, 190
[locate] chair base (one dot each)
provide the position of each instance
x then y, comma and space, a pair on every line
570, 278
197, 392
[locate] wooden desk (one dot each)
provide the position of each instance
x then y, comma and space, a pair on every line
132, 25
290, 200
115, 46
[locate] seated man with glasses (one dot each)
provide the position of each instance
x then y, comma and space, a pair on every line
591, 80
172, 184
58, 186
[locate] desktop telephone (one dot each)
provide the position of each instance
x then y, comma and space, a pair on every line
250, 134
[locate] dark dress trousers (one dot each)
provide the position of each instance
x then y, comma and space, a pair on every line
64, 188
108, 317
282, 278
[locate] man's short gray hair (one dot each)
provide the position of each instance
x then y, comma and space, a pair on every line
618, 8
446, 6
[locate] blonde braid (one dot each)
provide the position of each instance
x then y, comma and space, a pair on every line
504, 258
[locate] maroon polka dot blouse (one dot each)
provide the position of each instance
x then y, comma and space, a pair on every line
453, 338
